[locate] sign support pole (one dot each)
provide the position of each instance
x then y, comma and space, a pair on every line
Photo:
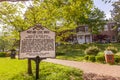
29, 67
37, 60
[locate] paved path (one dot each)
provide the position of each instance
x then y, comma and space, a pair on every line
100, 69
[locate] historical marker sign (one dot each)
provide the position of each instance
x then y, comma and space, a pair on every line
37, 41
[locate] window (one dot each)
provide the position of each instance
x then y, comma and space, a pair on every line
80, 29
86, 29
118, 28
113, 38
80, 37
105, 28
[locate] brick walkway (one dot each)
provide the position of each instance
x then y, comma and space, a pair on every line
96, 68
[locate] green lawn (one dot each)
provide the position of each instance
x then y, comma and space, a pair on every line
70, 52
14, 69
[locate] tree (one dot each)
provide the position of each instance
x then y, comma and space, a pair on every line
107, 1
70, 13
96, 21
12, 20
116, 16
4, 42
116, 11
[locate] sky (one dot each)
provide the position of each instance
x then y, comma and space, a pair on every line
106, 7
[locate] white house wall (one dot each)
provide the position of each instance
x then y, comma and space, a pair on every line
81, 39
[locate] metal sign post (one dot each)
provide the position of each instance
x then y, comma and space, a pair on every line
37, 60
37, 67
29, 67
37, 43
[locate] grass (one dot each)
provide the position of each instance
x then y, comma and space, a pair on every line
70, 52
14, 69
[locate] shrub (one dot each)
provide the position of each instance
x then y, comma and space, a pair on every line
2, 54
100, 59
60, 53
86, 57
117, 59
92, 50
91, 58
112, 48
101, 53
7, 54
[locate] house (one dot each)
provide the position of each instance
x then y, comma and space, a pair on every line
83, 35
108, 34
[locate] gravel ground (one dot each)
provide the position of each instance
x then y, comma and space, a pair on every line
92, 71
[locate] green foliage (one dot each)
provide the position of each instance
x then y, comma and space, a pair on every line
116, 11
76, 51
107, 1
96, 18
113, 49
70, 52
59, 53
48, 13
15, 70
11, 23
91, 58
117, 58
60, 73
2, 54
93, 50
116, 15
101, 53
97, 58
86, 57
7, 54
100, 59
